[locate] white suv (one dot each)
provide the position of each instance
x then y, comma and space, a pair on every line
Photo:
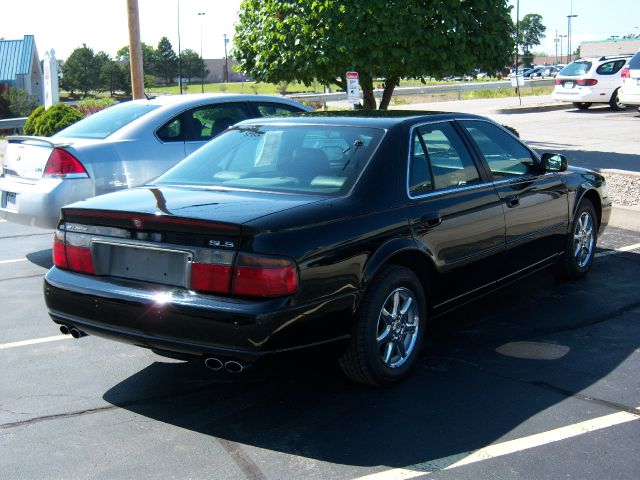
630, 90
591, 80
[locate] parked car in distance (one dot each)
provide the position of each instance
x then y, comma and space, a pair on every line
352, 227
630, 79
122, 146
533, 72
591, 80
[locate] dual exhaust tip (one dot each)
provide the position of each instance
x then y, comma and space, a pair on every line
231, 366
74, 332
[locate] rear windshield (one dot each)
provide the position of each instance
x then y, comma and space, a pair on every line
634, 63
313, 159
104, 123
576, 68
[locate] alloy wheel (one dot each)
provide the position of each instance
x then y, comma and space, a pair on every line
397, 329
583, 239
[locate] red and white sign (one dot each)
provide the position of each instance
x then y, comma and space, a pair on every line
353, 87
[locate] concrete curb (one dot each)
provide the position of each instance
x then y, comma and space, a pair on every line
625, 217
533, 108
614, 171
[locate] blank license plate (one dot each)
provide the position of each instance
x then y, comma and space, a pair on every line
568, 84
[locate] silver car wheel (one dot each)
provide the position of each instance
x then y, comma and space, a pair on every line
397, 329
583, 239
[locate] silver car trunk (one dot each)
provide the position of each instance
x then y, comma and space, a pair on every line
26, 157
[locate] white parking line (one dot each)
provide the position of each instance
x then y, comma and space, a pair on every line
35, 341
504, 448
15, 260
628, 248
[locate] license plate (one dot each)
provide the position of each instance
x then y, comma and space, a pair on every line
10, 200
568, 84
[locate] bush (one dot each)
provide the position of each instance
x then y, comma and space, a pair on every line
30, 125
5, 108
91, 106
54, 119
21, 103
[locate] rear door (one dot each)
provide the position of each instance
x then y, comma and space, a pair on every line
205, 122
455, 212
535, 203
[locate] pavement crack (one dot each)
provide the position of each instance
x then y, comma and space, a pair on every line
20, 278
56, 416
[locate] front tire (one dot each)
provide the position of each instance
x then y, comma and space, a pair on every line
615, 102
581, 244
388, 329
582, 105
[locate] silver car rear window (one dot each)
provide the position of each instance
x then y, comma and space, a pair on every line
308, 159
104, 123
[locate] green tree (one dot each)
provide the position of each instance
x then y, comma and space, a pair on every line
291, 40
192, 65
81, 71
531, 31
167, 60
149, 58
112, 77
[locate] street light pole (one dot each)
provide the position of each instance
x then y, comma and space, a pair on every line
201, 14
226, 65
179, 53
561, 56
569, 54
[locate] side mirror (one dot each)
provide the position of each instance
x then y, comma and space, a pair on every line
554, 162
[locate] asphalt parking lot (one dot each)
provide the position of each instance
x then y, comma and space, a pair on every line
539, 380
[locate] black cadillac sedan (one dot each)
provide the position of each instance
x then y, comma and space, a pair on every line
293, 232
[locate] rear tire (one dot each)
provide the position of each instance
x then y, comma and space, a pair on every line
615, 102
388, 329
580, 247
582, 105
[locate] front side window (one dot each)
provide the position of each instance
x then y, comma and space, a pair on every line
276, 109
204, 123
439, 160
505, 155
314, 159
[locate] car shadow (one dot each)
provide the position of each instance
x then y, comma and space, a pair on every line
41, 258
476, 381
590, 159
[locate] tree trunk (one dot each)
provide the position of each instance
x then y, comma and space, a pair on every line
389, 87
368, 100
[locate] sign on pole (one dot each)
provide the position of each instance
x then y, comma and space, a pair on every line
51, 94
353, 87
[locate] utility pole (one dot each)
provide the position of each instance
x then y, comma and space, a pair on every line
561, 56
179, 53
555, 40
201, 14
135, 51
569, 53
226, 65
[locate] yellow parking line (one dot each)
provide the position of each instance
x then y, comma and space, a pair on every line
35, 341
504, 448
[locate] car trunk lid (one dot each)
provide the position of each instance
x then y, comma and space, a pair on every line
26, 157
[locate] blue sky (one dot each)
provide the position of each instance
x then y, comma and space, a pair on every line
66, 24
597, 19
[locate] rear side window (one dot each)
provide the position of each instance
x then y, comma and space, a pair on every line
575, 69
204, 123
505, 155
610, 68
634, 63
439, 160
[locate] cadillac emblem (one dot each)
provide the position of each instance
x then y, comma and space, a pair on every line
137, 223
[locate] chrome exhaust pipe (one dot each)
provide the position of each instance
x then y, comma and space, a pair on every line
75, 333
65, 330
234, 367
214, 363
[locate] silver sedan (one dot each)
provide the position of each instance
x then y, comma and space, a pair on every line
122, 146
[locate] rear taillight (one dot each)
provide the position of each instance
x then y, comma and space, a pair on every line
62, 164
626, 73
71, 251
557, 81
252, 276
259, 276
589, 82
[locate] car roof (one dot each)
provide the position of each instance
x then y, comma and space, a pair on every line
198, 98
361, 118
